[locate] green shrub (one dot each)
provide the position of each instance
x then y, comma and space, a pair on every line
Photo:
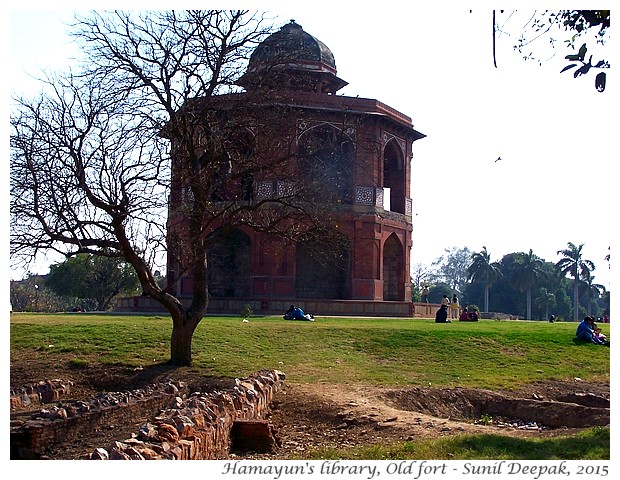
246, 311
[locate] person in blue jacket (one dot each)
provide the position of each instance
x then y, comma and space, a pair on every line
585, 331
296, 313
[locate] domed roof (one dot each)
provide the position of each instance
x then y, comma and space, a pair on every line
294, 47
292, 59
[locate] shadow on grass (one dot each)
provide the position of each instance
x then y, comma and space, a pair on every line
115, 378
581, 341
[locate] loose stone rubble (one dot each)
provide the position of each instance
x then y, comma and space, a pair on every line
45, 391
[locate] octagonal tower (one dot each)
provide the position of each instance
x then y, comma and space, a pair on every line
368, 183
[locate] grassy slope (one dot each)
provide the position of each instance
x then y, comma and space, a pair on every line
486, 354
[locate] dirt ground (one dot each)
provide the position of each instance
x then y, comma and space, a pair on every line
309, 416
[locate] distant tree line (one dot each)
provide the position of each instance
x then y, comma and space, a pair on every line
520, 283
83, 282
31, 294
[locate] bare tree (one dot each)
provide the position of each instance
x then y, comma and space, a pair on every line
451, 267
420, 275
155, 105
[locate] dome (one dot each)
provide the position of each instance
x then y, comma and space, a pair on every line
296, 52
292, 45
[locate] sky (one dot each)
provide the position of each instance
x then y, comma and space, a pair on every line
553, 184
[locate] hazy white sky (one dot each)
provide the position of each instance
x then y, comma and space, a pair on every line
553, 132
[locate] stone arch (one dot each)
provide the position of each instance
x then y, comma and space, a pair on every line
323, 265
393, 271
325, 162
394, 175
229, 264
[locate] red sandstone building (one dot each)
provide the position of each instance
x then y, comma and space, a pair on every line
369, 185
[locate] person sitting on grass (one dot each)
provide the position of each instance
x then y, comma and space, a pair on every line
470, 314
598, 333
288, 315
585, 331
296, 313
442, 315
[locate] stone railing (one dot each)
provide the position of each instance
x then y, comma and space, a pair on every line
425, 310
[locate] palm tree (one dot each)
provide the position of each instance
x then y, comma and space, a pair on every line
545, 299
531, 270
592, 290
575, 266
481, 270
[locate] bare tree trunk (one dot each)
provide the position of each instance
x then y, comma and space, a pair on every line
181, 340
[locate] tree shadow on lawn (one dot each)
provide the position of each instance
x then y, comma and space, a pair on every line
124, 378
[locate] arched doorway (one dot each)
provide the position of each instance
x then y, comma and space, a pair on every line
229, 264
393, 275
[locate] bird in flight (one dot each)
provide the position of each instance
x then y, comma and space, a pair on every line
498, 159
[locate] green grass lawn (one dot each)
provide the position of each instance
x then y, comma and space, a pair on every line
487, 354
590, 444
388, 352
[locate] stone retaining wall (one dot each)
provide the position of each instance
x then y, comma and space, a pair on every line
199, 427
183, 426
68, 420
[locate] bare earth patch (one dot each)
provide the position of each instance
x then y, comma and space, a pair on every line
309, 416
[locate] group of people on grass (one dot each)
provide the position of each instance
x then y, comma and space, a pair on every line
589, 331
586, 330
465, 315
